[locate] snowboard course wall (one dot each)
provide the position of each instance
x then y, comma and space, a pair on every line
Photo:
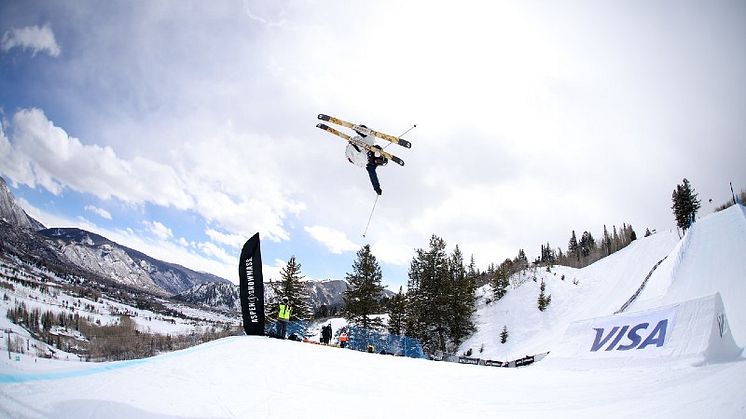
694, 331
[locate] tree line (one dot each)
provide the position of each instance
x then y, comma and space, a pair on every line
88, 338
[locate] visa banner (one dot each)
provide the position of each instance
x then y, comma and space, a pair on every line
642, 332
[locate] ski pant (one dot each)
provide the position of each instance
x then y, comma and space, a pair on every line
371, 168
282, 328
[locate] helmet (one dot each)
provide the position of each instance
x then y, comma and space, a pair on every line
284, 299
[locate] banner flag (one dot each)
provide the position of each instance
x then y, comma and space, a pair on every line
251, 287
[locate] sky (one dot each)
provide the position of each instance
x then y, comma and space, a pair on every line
180, 129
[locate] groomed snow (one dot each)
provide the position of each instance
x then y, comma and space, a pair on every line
261, 377
253, 377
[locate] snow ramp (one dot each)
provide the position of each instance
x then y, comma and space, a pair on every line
694, 331
711, 258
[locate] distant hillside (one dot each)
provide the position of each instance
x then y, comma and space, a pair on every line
125, 265
225, 297
215, 295
72, 251
14, 214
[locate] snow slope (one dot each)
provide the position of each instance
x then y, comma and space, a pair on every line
262, 377
256, 377
711, 258
597, 290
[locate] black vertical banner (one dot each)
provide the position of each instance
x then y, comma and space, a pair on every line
251, 287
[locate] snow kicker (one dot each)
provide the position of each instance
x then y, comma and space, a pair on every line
696, 331
251, 287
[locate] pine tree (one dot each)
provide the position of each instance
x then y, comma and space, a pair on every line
521, 261
543, 300
547, 254
364, 291
685, 205
616, 242
462, 288
290, 286
396, 309
500, 281
472, 270
504, 334
573, 250
428, 300
606, 242
587, 244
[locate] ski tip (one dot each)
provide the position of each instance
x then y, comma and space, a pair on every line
323, 117
404, 143
322, 126
398, 161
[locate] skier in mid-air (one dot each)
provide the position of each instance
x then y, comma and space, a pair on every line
368, 159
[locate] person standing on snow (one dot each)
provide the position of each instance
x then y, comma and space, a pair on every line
326, 333
359, 156
343, 339
283, 318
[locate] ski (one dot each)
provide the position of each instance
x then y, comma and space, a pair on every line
368, 147
367, 131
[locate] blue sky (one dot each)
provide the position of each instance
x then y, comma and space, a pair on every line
181, 128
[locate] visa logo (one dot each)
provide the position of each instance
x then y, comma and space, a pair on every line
634, 337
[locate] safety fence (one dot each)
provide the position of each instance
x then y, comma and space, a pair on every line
294, 330
639, 290
520, 362
362, 339
359, 339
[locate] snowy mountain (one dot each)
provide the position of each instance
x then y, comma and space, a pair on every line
13, 214
224, 297
122, 264
215, 295
328, 293
71, 251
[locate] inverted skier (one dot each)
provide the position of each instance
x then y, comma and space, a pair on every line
370, 160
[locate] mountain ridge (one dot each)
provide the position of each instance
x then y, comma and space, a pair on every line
79, 252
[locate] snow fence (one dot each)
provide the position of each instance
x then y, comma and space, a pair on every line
695, 331
362, 339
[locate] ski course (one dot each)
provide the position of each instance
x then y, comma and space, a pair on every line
690, 310
711, 258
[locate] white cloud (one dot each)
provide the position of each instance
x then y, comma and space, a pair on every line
98, 211
35, 38
159, 230
38, 153
210, 249
46, 155
232, 240
334, 240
